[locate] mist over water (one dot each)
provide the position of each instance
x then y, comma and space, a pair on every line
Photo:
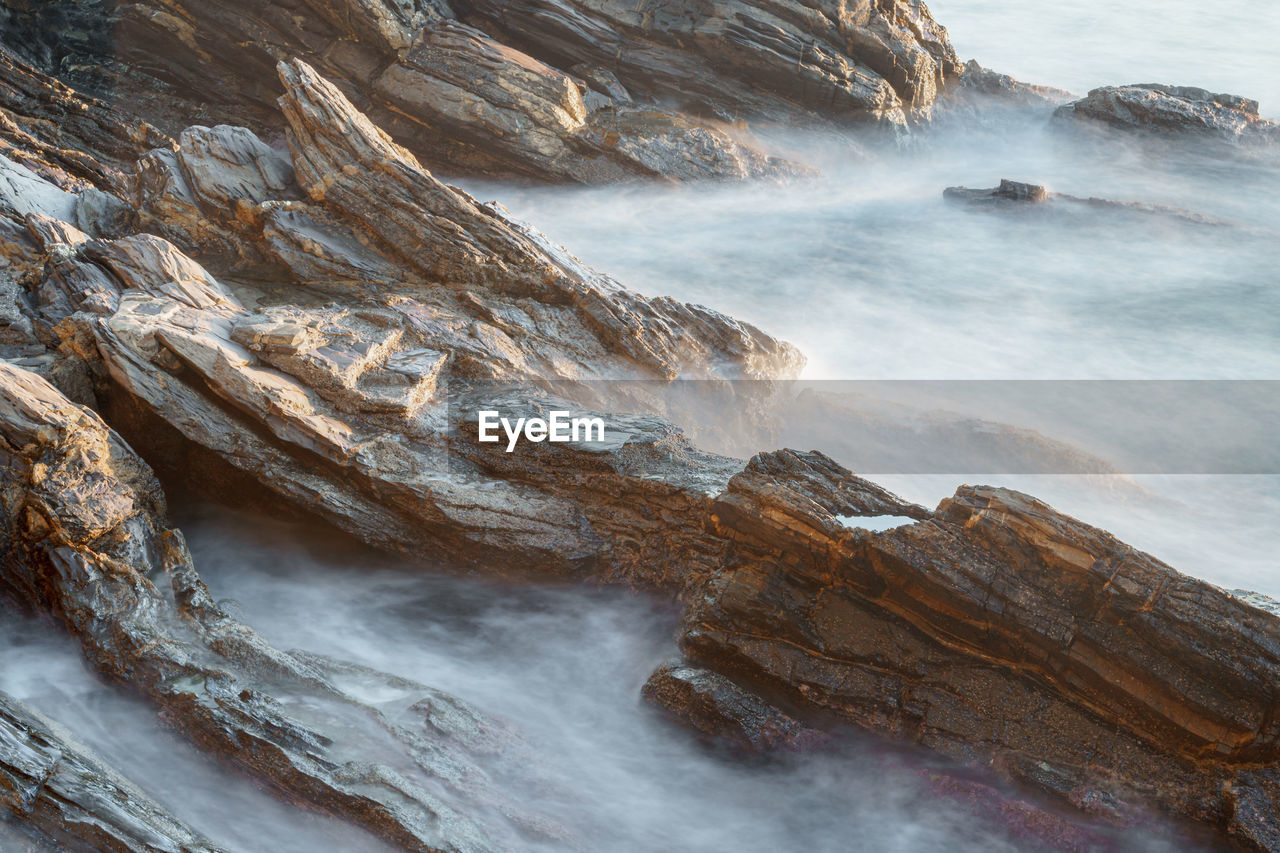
1226, 47
874, 276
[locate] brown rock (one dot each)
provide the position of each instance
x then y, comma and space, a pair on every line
1174, 110
715, 706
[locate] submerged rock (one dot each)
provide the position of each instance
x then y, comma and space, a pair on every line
1010, 194
1008, 191
1164, 109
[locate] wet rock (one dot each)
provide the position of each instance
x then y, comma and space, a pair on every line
714, 705
1014, 194
60, 789
999, 632
1008, 190
1157, 108
84, 539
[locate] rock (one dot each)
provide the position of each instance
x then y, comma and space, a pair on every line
344, 161
23, 191
1157, 108
1010, 194
1003, 89
997, 631
84, 539
508, 110
103, 214
713, 705
489, 96
66, 136
737, 60
994, 630
60, 789
1006, 192
230, 169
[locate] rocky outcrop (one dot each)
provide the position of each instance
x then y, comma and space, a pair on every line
738, 60
496, 109
464, 100
552, 91
320, 319
84, 538
1186, 110
342, 408
60, 790
979, 82
1000, 632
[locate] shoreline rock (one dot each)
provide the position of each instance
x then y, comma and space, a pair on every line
1173, 110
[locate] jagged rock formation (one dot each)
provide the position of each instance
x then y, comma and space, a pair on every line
521, 89
84, 539
983, 82
320, 319
1002, 633
739, 60
1157, 108
59, 789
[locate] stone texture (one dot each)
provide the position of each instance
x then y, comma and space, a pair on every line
1000, 632
490, 105
321, 324
1185, 110
738, 60
62, 791
716, 706
84, 539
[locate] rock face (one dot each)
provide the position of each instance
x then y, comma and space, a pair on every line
1187, 110
714, 705
58, 788
319, 318
740, 60
84, 539
983, 82
999, 632
520, 89
489, 105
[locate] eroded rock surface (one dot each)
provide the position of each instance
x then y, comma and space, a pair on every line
1002, 633
322, 316
59, 789
739, 60
84, 539
1186, 110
